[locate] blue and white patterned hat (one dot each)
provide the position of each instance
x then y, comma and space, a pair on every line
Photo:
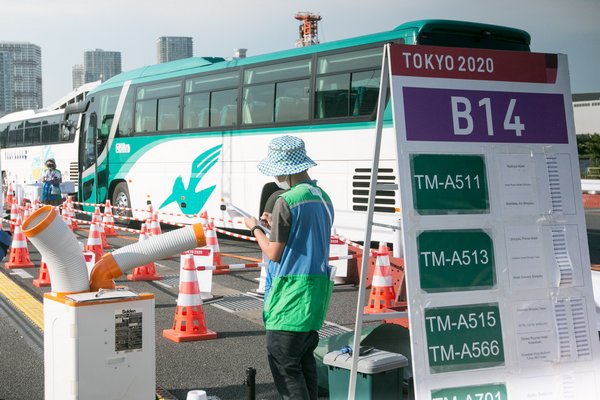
286, 156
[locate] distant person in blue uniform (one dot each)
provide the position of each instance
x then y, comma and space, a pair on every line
298, 285
51, 179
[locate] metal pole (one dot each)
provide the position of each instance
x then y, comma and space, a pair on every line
250, 382
383, 87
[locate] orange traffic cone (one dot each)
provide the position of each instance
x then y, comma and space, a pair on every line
213, 243
188, 324
71, 211
26, 211
43, 277
97, 219
108, 220
155, 225
64, 212
145, 272
14, 213
19, 254
382, 290
203, 219
94, 242
149, 213
10, 196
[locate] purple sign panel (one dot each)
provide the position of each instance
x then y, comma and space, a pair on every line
448, 115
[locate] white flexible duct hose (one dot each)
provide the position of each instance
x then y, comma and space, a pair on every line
155, 248
59, 248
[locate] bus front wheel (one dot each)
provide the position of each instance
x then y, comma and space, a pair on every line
121, 199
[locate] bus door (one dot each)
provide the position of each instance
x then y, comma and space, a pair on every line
88, 178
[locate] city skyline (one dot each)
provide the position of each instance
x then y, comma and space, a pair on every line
555, 27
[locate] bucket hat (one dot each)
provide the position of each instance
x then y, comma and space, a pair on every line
286, 156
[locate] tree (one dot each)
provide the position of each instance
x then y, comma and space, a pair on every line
588, 146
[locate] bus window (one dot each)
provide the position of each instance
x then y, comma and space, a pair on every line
32, 133
258, 104
353, 93
166, 89
364, 92
225, 102
89, 146
145, 116
291, 101
168, 114
50, 132
107, 104
206, 104
331, 96
197, 111
125, 127
157, 107
212, 82
356, 60
15, 135
3, 135
278, 72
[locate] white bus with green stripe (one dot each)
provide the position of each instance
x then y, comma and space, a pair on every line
190, 132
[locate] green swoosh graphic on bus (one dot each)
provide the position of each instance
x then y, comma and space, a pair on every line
194, 200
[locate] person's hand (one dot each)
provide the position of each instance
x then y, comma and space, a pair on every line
265, 220
250, 222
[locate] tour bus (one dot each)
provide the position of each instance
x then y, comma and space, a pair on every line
27, 139
186, 136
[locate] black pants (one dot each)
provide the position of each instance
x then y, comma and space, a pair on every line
293, 364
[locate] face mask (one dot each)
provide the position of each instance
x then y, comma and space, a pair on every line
282, 185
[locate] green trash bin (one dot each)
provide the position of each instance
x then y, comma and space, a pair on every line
379, 375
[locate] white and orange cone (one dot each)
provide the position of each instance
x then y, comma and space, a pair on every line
213, 243
43, 279
97, 219
65, 215
94, 242
382, 289
19, 253
203, 216
108, 220
35, 205
14, 213
26, 211
149, 214
145, 272
155, 225
188, 324
71, 210
10, 196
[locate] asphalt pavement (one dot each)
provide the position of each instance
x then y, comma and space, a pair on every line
217, 366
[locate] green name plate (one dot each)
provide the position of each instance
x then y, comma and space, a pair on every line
496, 391
449, 184
453, 260
464, 337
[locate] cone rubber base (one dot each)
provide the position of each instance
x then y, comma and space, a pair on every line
12, 265
40, 283
132, 277
144, 273
221, 272
179, 337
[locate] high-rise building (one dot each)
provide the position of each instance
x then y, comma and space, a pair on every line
20, 76
100, 65
78, 74
170, 48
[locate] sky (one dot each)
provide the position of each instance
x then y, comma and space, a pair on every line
64, 29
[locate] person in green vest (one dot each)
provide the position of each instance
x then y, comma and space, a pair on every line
298, 284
